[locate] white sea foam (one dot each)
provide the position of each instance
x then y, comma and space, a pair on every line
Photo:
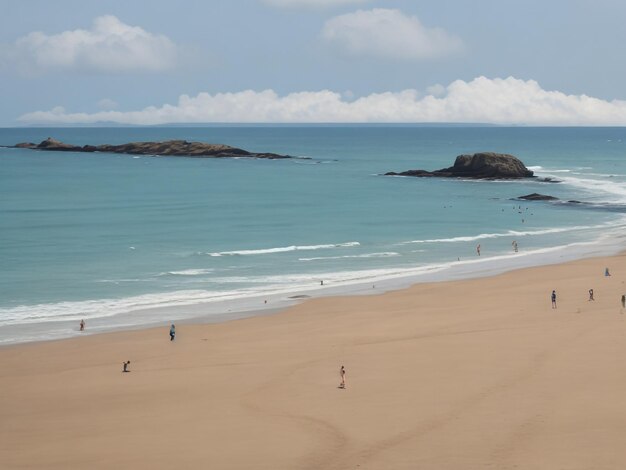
282, 249
541, 169
59, 311
595, 184
187, 272
610, 191
365, 255
511, 233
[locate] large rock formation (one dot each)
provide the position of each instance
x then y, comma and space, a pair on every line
484, 165
174, 148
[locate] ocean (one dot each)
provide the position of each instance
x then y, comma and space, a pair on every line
127, 241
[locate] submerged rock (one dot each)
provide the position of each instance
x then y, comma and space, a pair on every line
538, 197
174, 148
549, 179
484, 165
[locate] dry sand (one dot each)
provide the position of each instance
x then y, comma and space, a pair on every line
476, 374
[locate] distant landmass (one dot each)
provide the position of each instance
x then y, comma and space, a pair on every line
170, 148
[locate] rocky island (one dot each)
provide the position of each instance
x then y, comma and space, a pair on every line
484, 165
170, 148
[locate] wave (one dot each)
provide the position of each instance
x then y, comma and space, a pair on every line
187, 272
594, 184
282, 249
366, 255
76, 310
510, 233
615, 192
545, 170
541, 168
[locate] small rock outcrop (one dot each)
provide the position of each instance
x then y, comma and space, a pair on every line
538, 197
484, 165
172, 148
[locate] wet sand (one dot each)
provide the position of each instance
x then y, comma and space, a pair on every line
455, 375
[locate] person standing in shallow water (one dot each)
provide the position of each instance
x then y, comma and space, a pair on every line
172, 332
478, 250
553, 297
82, 325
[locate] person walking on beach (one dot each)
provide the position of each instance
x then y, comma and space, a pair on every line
126, 366
172, 332
591, 294
553, 297
606, 272
342, 374
623, 301
82, 325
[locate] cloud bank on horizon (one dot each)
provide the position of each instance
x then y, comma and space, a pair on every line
109, 46
481, 100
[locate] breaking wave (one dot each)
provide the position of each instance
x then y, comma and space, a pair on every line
282, 249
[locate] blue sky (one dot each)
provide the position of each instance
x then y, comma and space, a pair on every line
154, 62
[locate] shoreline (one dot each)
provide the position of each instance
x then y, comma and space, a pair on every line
468, 373
261, 304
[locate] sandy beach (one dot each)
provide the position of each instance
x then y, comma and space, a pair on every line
469, 374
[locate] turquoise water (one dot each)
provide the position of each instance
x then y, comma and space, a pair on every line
124, 241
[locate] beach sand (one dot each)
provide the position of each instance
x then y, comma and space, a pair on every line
473, 374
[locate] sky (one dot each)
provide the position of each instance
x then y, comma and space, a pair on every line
140, 62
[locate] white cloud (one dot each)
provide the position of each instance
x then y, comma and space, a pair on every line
388, 34
109, 46
311, 3
482, 100
436, 89
107, 104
